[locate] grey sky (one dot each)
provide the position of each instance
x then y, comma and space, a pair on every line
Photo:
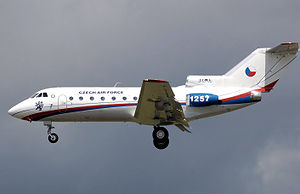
97, 43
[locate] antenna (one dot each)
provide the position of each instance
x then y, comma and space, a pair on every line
117, 83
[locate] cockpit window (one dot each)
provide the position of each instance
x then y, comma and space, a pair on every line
37, 95
34, 95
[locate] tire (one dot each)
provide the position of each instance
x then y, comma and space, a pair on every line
160, 134
53, 138
161, 145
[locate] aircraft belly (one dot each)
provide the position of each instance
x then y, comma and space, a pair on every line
193, 113
107, 114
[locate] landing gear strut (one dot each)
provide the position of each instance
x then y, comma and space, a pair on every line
52, 137
160, 137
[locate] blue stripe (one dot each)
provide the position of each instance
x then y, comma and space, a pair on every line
77, 110
83, 109
238, 101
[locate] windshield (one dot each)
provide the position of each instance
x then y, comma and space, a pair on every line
38, 95
34, 95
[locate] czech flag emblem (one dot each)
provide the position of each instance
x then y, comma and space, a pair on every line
250, 71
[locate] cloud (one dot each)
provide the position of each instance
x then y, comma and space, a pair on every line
278, 165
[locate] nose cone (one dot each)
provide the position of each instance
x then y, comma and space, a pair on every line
12, 111
19, 110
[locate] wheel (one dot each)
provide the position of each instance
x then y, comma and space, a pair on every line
161, 145
160, 133
53, 138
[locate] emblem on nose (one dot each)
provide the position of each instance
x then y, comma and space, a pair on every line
39, 105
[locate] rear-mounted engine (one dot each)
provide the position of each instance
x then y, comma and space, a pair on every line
201, 99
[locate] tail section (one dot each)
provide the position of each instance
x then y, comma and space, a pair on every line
263, 67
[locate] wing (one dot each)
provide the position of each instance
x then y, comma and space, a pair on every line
157, 105
285, 48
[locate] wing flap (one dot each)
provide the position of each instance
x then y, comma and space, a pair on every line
182, 128
157, 105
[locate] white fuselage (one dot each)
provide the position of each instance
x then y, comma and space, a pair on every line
111, 103
156, 103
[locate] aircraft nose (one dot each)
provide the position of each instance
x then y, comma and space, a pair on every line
19, 110
12, 111
15, 110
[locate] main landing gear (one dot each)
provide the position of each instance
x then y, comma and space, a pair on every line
52, 137
160, 137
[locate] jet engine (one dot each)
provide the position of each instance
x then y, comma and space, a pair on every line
202, 99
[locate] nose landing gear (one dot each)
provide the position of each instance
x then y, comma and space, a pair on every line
52, 137
160, 137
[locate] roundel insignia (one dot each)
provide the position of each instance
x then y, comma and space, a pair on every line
250, 71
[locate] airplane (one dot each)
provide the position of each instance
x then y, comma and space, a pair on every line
158, 104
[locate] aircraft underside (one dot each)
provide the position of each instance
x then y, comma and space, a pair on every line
160, 134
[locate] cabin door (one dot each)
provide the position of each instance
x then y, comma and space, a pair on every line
62, 103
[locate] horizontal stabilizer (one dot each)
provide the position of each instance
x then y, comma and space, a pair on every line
285, 48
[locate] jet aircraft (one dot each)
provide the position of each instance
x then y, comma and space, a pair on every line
158, 104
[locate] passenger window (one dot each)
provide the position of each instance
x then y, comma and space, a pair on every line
102, 98
80, 98
71, 98
124, 98
91, 98
40, 95
113, 98
135, 98
45, 95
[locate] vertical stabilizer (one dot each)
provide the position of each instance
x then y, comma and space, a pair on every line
263, 67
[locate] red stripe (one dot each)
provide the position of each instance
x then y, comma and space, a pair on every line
268, 87
237, 97
30, 117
